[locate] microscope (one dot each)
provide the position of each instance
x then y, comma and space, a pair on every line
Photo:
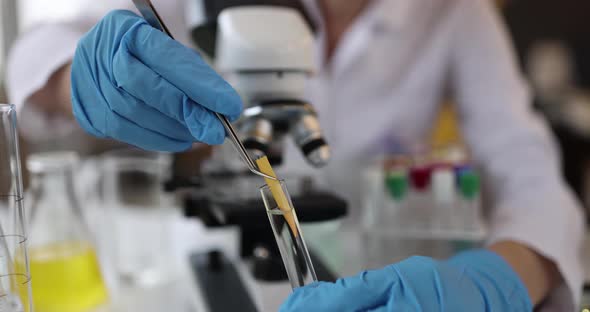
269, 68
265, 51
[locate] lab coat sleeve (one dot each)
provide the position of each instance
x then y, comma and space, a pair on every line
33, 59
532, 205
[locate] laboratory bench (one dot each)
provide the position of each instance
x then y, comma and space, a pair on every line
342, 250
339, 248
342, 246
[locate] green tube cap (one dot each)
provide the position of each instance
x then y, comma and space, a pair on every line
469, 184
397, 184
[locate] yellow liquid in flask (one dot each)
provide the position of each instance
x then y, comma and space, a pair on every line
66, 277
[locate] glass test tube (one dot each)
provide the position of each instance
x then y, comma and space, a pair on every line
15, 286
289, 237
132, 192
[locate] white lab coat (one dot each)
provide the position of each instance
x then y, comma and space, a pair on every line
384, 84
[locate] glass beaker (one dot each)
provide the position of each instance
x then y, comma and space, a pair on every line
285, 227
67, 276
133, 193
15, 286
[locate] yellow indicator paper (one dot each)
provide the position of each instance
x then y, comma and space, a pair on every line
277, 192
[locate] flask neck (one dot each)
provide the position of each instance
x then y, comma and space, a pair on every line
53, 179
55, 212
55, 188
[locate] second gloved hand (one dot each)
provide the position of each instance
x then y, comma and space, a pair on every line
472, 281
133, 83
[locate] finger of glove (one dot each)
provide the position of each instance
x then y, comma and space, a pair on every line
92, 82
147, 117
121, 129
142, 83
183, 68
90, 117
381, 309
423, 283
202, 124
367, 290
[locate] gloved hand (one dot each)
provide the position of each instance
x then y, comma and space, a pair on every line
133, 83
477, 280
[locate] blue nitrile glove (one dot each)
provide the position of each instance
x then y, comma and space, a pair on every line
478, 280
133, 83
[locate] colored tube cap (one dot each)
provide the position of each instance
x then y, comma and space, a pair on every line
397, 184
469, 184
420, 177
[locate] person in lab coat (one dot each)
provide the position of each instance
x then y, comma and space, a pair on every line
384, 66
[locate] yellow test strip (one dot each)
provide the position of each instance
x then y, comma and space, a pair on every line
277, 192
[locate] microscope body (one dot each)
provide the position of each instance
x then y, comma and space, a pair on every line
266, 53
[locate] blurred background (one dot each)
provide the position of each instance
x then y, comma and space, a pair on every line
552, 40
20, 15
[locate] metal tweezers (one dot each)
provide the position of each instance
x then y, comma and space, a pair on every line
150, 14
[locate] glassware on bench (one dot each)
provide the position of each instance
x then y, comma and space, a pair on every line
289, 237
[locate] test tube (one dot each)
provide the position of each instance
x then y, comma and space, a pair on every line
15, 286
443, 191
289, 237
420, 180
470, 205
396, 207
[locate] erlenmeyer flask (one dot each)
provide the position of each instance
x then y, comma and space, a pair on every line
15, 291
63, 260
